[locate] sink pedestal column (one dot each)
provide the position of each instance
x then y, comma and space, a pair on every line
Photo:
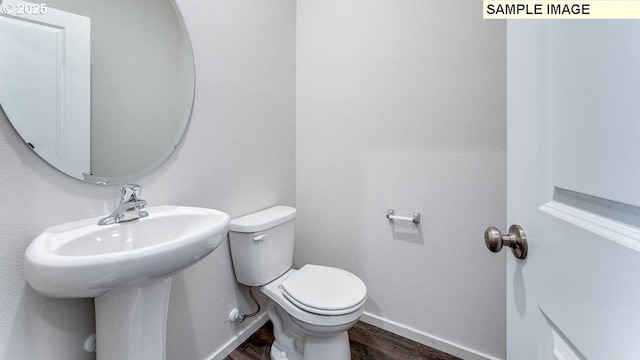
131, 323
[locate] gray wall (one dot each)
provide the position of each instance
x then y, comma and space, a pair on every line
237, 156
401, 104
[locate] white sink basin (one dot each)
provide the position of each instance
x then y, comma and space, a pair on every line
83, 259
127, 267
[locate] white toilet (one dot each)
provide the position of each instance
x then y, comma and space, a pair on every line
311, 308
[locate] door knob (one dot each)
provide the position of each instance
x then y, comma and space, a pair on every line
516, 239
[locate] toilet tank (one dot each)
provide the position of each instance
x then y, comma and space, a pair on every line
262, 244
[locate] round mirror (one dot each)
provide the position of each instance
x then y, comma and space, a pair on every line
101, 90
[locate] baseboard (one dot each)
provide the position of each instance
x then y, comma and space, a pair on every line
375, 320
424, 338
227, 348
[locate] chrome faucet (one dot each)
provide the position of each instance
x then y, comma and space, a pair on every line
130, 207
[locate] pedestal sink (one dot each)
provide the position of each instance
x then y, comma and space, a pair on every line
127, 268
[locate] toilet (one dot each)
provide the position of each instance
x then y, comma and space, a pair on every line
311, 308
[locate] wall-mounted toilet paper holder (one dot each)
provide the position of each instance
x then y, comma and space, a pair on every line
415, 219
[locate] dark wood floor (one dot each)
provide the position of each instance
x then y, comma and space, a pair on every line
367, 343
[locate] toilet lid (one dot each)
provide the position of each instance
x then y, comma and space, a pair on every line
324, 290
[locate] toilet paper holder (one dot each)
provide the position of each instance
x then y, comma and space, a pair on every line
391, 215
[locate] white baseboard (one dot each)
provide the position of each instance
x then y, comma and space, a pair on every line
424, 338
227, 348
375, 320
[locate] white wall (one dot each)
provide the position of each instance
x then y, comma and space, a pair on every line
237, 156
401, 104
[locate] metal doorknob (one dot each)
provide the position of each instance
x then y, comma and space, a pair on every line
516, 239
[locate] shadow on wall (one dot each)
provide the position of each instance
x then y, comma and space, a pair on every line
372, 307
191, 303
407, 232
28, 323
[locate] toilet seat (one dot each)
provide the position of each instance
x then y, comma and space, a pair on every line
324, 290
273, 291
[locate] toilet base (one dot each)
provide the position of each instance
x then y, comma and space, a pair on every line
277, 354
335, 348
293, 339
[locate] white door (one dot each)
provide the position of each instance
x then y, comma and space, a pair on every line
45, 81
574, 186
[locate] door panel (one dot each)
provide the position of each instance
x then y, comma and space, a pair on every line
593, 94
573, 185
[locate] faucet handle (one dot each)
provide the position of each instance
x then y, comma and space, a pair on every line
129, 208
130, 192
